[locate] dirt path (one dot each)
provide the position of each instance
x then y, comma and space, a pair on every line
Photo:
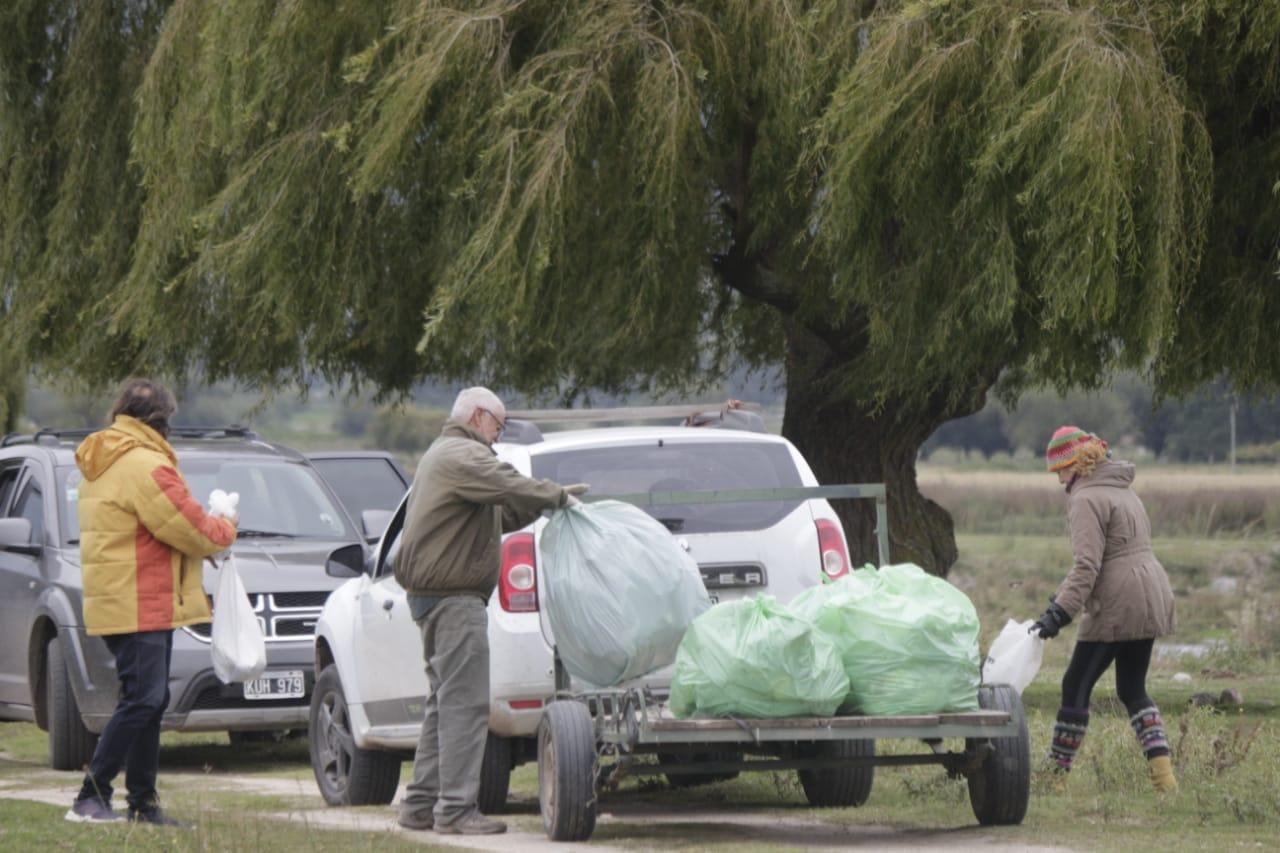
633, 824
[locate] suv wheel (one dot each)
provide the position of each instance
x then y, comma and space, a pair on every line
71, 745
347, 775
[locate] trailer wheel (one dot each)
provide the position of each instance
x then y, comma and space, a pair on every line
838, 787
566, 772
1000, 789
495, 775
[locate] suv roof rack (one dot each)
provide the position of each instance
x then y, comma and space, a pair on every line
522, 423
231, 431
50, 435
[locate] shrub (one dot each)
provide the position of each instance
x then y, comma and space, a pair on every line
406, 429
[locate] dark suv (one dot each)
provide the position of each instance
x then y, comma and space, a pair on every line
53, 673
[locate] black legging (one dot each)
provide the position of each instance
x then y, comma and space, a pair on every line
1090, 660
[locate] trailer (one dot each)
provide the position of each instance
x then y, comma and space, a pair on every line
588, 741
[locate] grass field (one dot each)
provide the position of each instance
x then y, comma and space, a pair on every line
1181, 501
1227, 585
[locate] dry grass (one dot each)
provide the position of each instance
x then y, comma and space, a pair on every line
1180, 501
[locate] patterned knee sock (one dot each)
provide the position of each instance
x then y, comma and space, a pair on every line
1068, 734
1149, 728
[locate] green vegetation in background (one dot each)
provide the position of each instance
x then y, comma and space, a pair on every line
1194, 429
912, 204
1190, 501
1225, 757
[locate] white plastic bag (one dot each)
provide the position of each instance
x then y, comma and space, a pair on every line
618, 591
239, 649
1015, 656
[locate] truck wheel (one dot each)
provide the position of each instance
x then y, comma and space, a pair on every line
691, 780
71, 745
1000, 789
495, 775
566, 774
837, 787
346, 774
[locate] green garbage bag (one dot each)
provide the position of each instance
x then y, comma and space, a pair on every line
755, 658
908, 640
618, 591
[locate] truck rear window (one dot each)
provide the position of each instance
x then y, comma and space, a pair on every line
684, 467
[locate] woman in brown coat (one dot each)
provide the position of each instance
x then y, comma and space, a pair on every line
1121, 588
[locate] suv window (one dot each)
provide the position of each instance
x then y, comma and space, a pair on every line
69, 479
8, 479
684, 467
363, 483
30, 505
276, 496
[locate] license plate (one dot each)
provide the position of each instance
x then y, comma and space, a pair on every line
276, 685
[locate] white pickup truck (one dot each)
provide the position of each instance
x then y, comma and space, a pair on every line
367, 707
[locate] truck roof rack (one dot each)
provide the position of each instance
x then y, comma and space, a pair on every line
522, 423
53, 435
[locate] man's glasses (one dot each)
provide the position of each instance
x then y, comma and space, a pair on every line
502, 424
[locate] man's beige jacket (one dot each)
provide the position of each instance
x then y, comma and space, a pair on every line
464, 498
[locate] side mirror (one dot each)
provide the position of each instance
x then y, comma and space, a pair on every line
374, 522
15, 536
345, 562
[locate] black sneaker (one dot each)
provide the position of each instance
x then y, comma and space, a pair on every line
153, 815
91, 810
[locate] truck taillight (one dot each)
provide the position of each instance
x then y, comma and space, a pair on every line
518, 583
835, 557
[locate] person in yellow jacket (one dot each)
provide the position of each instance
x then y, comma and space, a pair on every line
143, 538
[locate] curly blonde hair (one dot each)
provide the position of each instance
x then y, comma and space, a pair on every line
1088, 457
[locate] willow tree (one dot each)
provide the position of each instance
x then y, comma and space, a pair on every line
906, 203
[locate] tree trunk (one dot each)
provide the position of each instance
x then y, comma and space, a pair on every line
845, 442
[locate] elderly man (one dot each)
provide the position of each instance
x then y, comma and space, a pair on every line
463, 500
143, 537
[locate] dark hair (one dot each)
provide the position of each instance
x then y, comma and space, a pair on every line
148, 401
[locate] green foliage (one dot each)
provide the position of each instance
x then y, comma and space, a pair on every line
353, 420
904, 200
562, 196
1022, 177
1196, 428
1259, 453
407, 429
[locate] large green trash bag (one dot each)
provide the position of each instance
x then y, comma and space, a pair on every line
618, 591
908, 640
756, 658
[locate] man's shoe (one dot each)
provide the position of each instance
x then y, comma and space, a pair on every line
153, 815
473, 824
419, 819
91, 810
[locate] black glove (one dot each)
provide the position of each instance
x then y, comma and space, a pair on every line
1051, 621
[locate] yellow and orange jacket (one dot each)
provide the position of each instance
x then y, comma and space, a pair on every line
142, 534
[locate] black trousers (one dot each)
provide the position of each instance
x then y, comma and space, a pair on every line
1090, 660
131, 738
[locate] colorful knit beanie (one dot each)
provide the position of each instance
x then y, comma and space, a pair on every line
1066, 444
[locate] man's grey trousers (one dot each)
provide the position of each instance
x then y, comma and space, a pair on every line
446, 767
